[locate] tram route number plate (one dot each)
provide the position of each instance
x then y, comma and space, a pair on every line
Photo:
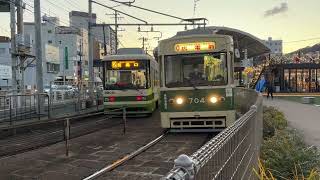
229, 92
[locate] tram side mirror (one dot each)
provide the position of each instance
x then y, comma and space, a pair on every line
237, 53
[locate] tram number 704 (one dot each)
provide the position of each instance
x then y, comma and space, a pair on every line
196, 100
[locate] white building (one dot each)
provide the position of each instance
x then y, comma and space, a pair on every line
73, 45
103, 36
51, 67
275, 46
63, 48
5, 62
100, 34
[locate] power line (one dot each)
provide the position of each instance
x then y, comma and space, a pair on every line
303, 40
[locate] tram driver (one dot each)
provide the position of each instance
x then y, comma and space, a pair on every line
196, 75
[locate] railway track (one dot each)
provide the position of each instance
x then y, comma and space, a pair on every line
108, 171
45, 136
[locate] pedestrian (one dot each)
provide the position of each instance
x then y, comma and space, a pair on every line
269, 85
261, 84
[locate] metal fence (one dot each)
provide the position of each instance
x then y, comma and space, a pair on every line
16, 108
233, 153
60, 99
80, 97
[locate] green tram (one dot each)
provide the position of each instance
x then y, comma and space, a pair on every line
196, 91
131, 80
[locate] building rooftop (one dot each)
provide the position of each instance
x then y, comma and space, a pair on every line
81, 14
4, 39
68, 30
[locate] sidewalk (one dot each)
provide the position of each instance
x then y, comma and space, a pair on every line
304, 117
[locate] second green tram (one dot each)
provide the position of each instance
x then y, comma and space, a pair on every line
131, 80
197, 82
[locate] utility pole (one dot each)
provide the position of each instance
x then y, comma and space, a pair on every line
13, 47
143, 42
80, 61
116, 29
91, 71
38, 40
104, 41
21, 33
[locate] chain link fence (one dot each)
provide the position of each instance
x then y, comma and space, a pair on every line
233, 153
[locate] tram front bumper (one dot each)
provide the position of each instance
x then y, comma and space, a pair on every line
202, 119
132, 108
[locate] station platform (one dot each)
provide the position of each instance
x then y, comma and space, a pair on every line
294, 94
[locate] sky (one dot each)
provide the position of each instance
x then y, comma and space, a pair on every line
296, 22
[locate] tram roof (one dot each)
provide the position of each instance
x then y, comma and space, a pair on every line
242, 40
128, 54
127, 57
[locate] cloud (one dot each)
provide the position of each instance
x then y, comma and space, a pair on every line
277, 10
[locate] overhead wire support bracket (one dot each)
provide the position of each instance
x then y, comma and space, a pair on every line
151, 24
145, 9
120, 12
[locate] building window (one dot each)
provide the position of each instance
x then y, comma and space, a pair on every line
2, 50
50, 41
53, 68
50, 31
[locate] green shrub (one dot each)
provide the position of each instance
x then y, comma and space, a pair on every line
272, 120
285, 152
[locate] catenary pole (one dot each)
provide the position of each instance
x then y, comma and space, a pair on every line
38, 46
91, 71
13, 46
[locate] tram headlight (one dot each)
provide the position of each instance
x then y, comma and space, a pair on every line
213, 99
179, 101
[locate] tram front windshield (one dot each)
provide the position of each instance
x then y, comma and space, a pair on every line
121, 75
192, 70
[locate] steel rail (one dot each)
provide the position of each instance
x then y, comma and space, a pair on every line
126, 158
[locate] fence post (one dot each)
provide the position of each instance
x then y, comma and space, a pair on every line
49, 107
97, 100
124, 116
39, 106
67, 135
184, 169
10, 110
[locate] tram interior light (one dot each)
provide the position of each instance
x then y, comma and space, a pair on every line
179, 101
213, 100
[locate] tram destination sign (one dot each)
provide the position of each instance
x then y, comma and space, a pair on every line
125, 65
195, 47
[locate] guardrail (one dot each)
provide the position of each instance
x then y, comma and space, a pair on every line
15, 108
233, 153
22, 108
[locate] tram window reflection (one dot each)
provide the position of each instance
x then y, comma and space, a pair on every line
196, 70
118, 80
